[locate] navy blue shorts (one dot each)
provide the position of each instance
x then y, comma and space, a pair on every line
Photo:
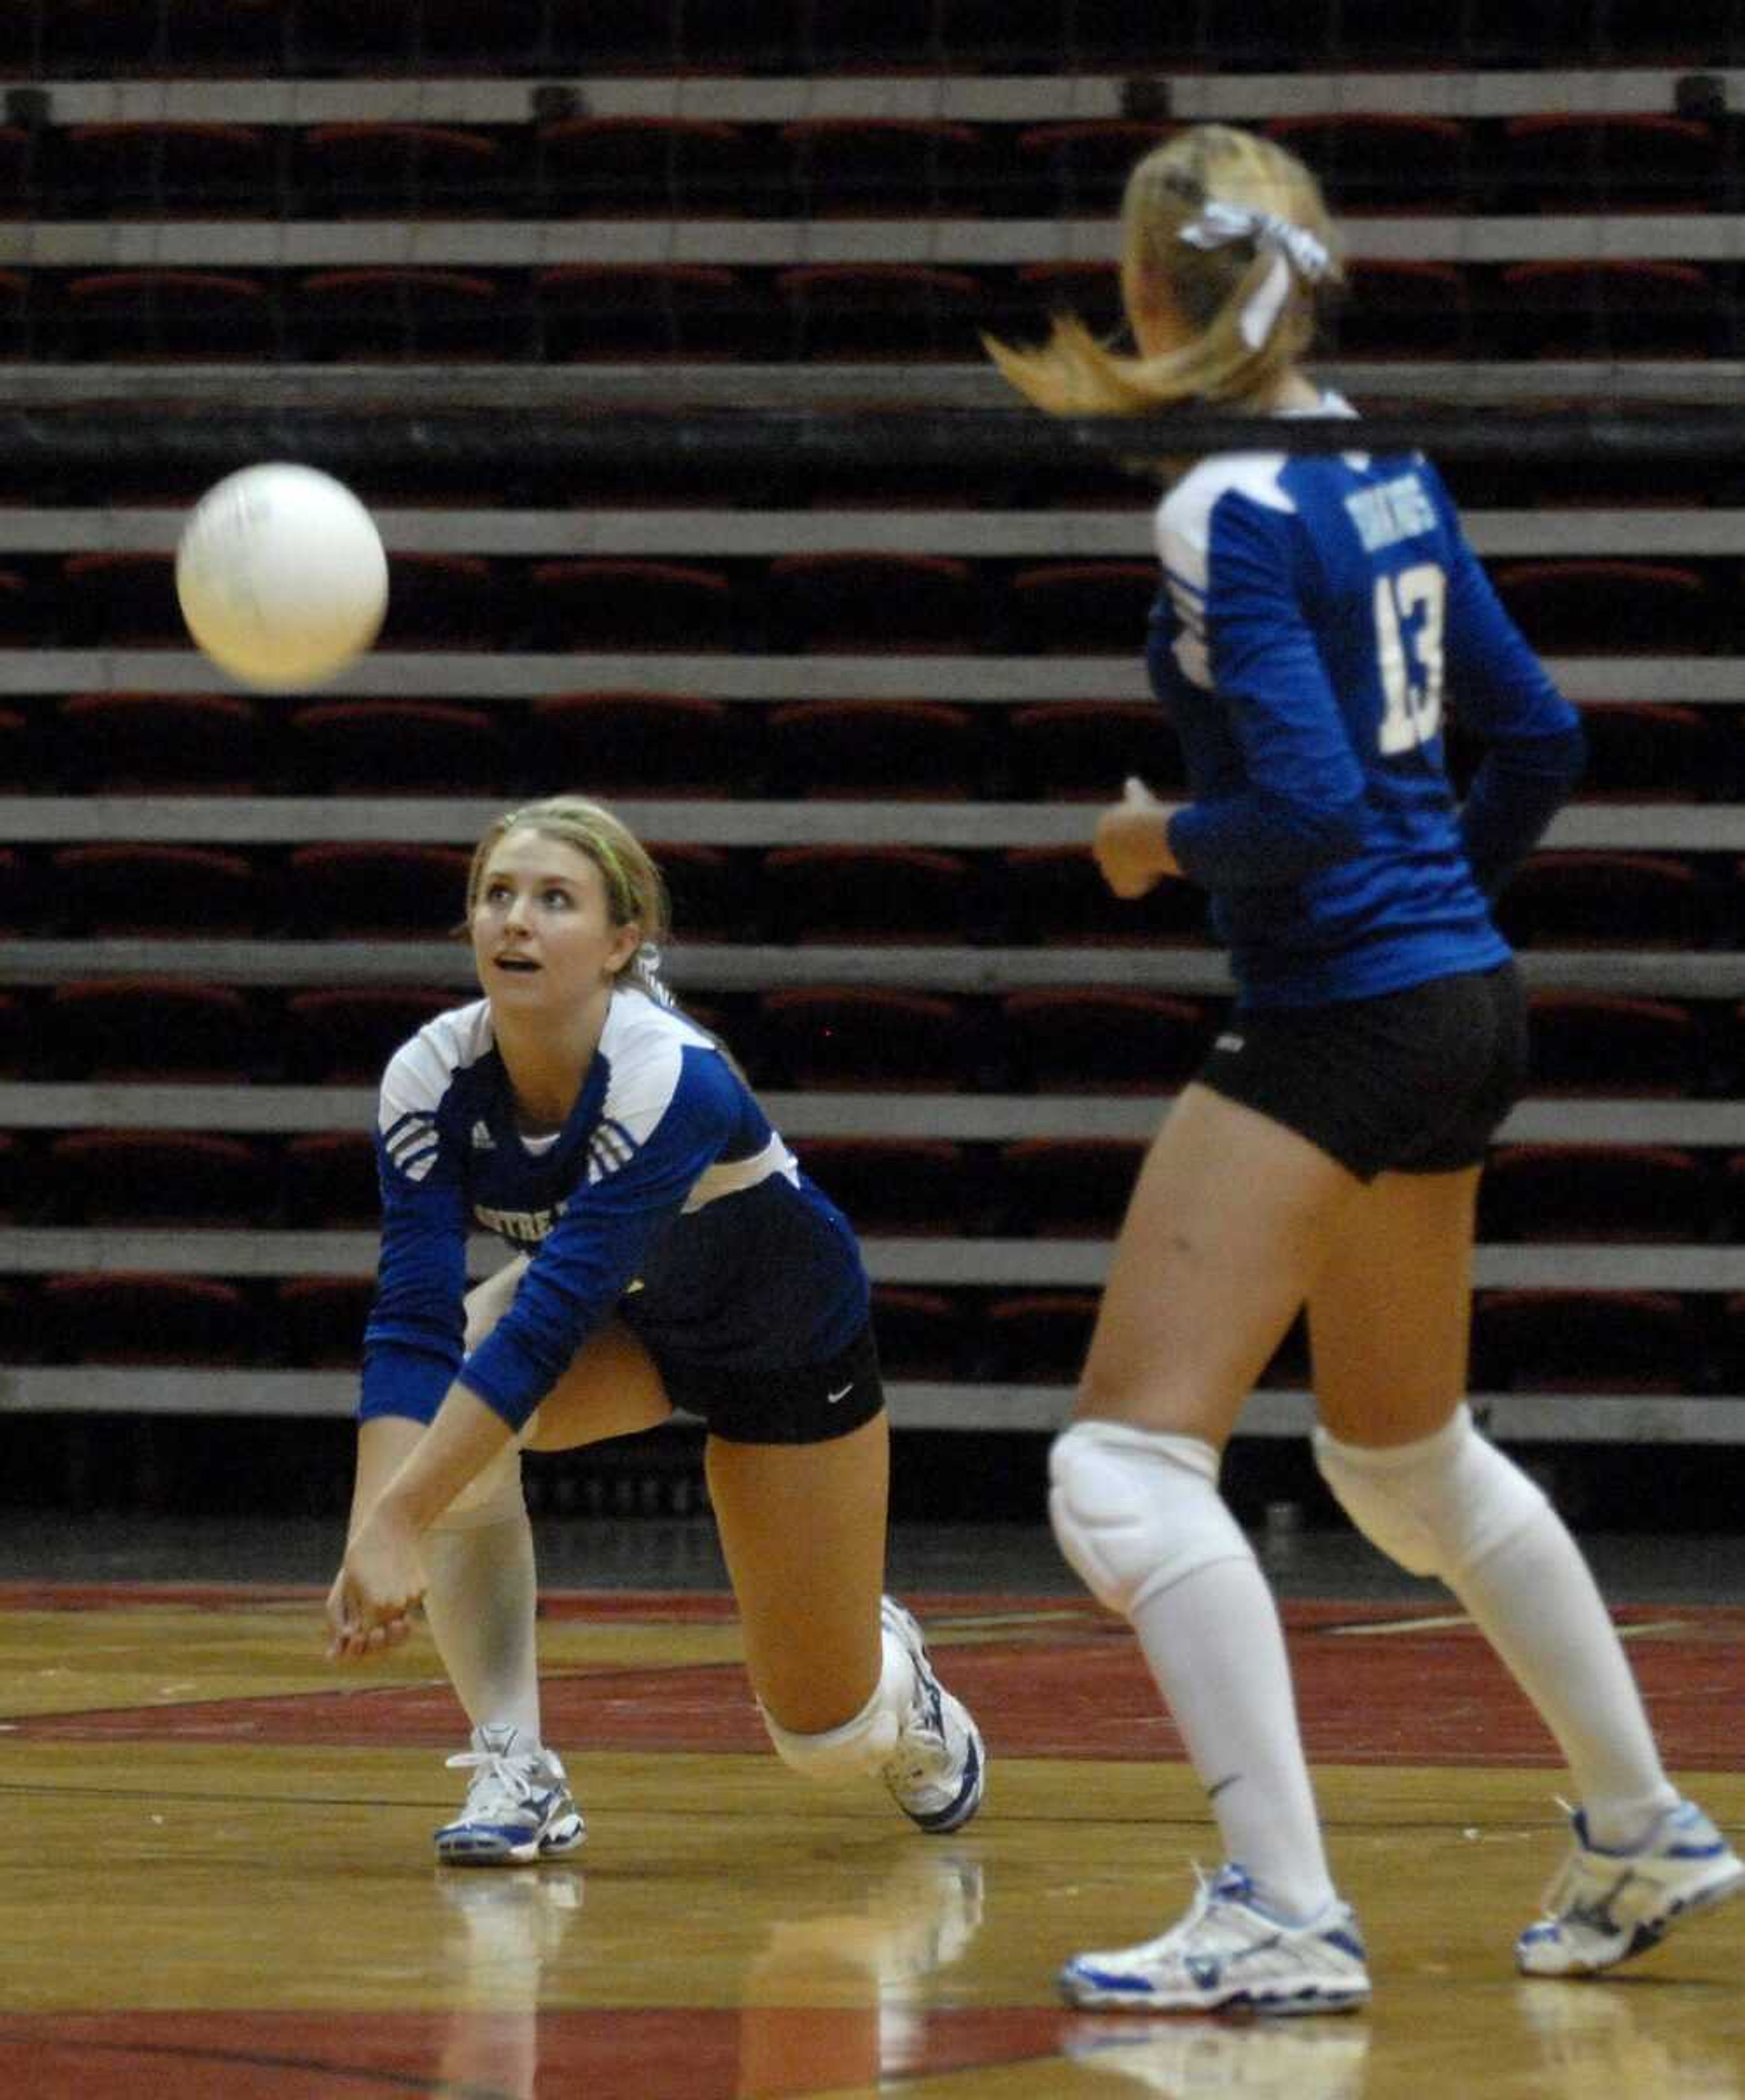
1416, 1082
811, 1404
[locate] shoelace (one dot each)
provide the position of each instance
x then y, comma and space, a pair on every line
926, 1749
501, 1786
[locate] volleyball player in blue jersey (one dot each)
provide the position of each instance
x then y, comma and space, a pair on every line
1318, 616
672, 1254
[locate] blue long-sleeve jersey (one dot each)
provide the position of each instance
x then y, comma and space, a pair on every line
666, 1199
1319, 616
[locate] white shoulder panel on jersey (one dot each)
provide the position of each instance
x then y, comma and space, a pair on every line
1183, 536
419, 1074
644, 1045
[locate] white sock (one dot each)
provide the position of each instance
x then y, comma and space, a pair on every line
1536, 1601
480, 1605
1216, 1650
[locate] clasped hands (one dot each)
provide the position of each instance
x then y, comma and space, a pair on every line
380, 1581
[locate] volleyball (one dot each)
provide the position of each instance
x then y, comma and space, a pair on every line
281, 575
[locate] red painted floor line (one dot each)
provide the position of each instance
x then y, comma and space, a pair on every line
1376, 1684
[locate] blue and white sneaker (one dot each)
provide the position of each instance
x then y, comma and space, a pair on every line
939, 1769
518, 1807
1228, 1955
1605, 1906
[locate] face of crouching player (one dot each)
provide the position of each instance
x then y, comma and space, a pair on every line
544, 933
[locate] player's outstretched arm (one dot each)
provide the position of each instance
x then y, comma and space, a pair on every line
370, 1606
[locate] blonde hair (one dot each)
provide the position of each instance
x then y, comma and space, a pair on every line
1216, 268
635, 891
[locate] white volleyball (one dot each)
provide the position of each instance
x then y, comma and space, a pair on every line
281, 575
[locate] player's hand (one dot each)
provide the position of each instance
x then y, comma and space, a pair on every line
381, 1580
1130, 844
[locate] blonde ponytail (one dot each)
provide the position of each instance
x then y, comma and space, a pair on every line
1234, 234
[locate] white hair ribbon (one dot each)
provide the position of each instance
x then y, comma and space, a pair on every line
645, 968
1219, 223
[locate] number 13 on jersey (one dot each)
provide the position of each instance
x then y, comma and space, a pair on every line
1409, 655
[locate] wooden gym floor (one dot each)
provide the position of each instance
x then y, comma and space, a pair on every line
218, 1879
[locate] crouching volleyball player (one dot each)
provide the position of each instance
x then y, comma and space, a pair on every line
1317, 612
671, 1253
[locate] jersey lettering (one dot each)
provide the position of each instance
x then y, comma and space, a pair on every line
1395, 510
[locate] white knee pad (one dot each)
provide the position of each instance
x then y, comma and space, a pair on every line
1436, 1506
859, 1746
1135, 1509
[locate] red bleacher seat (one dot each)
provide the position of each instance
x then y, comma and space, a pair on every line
623, 605
117, 742
821, 1036
892, 1185
880, 311
15, 910
871, 600
121, 600
371, 169
1039, 1337
1103, 607
1060, 1188
321, 1319
19, 759
148, 1028
1401, 307
166, 1177
922, 1333
123, 317
679, 167
348, 1036
1650, 751
1594, 606
1077, 1039
389, 312
1593, 1192
1606, 900
865, 894
445, 601
1605, 1043
1083, 750
712, 892
1078, 169
884, 166
17, 302
122, 1318
397, 748
1056, 893
194, 891
19, 195
18, 1188
1568, 162
644, 744
1041, 290
352, 35
14, 1035
886, 750
212, 37
1576, 1341
617, 312
1373, 161
160, 168
354, 890
1607, 307
330, 1178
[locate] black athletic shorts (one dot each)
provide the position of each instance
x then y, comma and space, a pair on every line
1415, 1082
809, 1405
